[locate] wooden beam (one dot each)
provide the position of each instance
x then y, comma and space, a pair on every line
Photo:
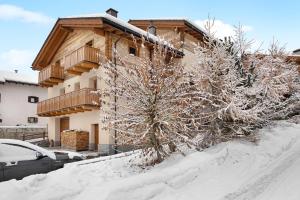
99, 31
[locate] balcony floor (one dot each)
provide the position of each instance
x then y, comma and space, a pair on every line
71, 110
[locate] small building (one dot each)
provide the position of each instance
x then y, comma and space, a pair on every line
19, 96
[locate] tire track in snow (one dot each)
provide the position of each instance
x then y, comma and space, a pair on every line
255, 188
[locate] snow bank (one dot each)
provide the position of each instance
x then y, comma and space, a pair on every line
231, 170
71, 154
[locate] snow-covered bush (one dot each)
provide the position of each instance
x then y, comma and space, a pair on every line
223, 109
277, 84
240, 91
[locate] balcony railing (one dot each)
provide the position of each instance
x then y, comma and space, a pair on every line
51, 75
73, 102
82, 60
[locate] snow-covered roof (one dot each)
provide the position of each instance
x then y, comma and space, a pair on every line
12, 76
188, 21
138, 31
296, 52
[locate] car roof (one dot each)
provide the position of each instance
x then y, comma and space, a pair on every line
43, 151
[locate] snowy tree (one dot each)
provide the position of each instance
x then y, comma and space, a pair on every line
224, 111
146, 102
277, 85
241, 91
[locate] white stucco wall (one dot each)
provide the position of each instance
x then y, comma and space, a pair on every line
83, 120
14, 105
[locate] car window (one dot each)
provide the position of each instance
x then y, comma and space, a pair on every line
9, 152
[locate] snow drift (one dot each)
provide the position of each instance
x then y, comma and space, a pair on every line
231, 170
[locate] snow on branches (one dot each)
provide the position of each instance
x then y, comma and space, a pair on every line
224, 105
153, 102
146, 100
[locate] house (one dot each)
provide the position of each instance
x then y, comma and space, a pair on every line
75, 47
19, 95
295, 57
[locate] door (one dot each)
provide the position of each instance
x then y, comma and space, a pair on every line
64, 124
96, 133
93, 83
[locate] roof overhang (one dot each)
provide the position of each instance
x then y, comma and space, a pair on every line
179, 24
58, 34
64, 26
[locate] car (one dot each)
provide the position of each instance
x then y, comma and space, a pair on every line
19, 159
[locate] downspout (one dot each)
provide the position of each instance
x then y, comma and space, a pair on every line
115, 84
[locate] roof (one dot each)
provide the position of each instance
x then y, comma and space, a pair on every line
297, 51
13, 77
109, 18
183, 23
63, 27
295, 58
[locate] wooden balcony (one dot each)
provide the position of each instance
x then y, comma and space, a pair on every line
51, 75
82, 60
73, 102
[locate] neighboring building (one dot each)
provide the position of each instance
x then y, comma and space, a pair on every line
19, 95
295, 57
296, 52
75, 46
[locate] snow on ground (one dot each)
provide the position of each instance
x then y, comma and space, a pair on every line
228, 171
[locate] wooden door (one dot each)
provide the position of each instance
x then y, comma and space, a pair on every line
64, 124
96, 131
95, 84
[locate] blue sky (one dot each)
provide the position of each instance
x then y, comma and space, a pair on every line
24, 24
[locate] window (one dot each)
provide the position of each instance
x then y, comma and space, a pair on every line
33, 99
32, 120
0, 120
77, 86
10, 152
132, 51
93, 83
62, 91
90, 43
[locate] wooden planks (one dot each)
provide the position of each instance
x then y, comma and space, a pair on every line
73, 102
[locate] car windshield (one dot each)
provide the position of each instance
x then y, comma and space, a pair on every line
13, 153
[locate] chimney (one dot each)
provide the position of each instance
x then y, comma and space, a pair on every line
112, 12
152, 29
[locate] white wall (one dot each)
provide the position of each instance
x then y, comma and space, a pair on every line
14, 105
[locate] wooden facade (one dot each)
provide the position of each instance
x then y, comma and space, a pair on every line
73, 102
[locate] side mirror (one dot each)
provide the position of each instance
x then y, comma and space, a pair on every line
39, 155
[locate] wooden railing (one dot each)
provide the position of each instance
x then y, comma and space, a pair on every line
83, 54
61, 104
51, 73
